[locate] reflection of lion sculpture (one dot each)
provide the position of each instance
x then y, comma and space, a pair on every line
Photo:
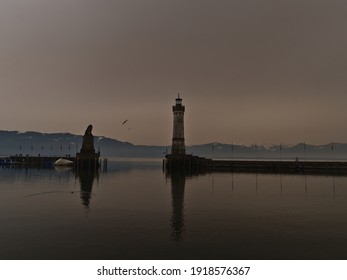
88, 140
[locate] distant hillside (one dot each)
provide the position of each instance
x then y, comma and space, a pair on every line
60, 144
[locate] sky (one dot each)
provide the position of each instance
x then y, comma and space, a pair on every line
248, 71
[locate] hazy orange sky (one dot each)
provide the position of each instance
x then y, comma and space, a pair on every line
249, 71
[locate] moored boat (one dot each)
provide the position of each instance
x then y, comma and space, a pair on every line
63, 162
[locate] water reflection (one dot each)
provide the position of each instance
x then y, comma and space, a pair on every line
252, 188
178, 180
86, 179
210, 216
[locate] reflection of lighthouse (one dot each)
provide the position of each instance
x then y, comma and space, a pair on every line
178, 147
177, 193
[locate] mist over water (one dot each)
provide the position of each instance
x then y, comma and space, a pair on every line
135, 211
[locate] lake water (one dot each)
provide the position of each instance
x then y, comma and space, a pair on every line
135, 211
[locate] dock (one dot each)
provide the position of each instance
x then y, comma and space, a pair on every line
33, 161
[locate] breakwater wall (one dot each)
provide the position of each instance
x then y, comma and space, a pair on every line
273, 166
197, 164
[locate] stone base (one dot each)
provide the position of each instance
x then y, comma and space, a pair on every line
87, 161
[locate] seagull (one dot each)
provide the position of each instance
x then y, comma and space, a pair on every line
124, 122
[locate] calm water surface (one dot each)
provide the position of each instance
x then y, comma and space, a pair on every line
135, 211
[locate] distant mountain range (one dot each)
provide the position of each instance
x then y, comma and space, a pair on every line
61, 144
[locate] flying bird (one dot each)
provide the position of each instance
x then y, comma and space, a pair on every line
124, 122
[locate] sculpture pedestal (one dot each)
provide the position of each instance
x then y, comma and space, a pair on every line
87, 161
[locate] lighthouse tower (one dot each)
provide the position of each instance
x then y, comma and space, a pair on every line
178, 147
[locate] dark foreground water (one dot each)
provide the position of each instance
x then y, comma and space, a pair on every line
135, 211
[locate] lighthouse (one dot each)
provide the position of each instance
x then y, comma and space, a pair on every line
178, 146
178, 160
